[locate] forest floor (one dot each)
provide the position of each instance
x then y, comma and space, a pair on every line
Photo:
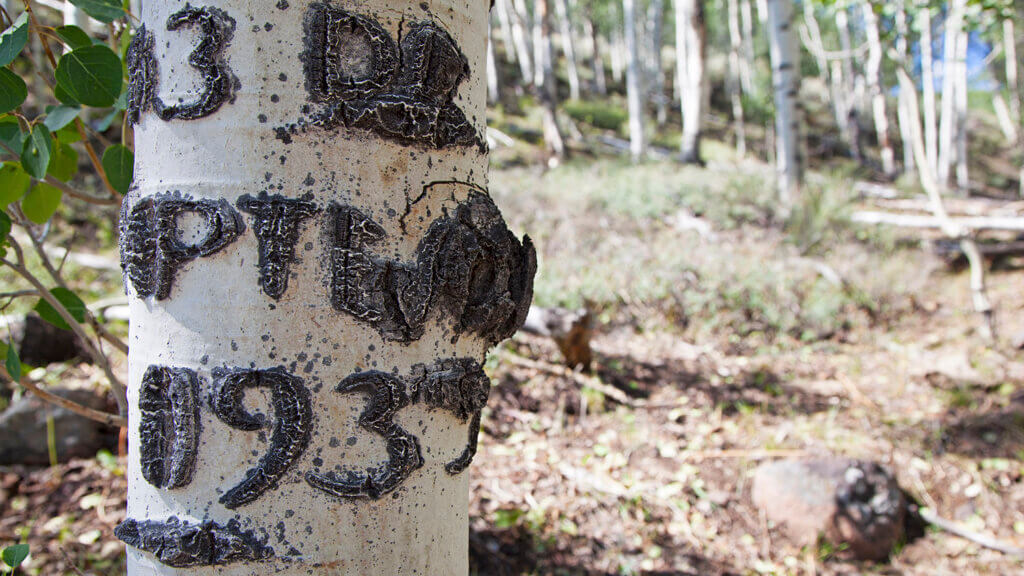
737, 341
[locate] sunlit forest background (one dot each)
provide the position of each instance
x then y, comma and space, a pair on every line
779, 315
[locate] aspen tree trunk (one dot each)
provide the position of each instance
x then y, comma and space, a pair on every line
501, 7
931, 135
596, 59
75, 16
618, 50
1012, 83
493, 85
656, 17
903, 106
568, 48
747, 62
521, 39
848, 110
637, 139
734, 82
948, 121
690, 66
315, 271
785, 56
545, 83
874, 80
960, 105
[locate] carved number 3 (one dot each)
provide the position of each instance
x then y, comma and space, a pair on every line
216, 30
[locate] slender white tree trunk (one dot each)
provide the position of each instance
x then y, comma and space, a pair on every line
948, 121
848, 109
962, 179
1012, 83
305, 385
493, 85
618, 48
903, 107
931, 133
690, 75
541, 44
747, 62
546, 85
785, 56
521, 39
75, 16
568, 47
596, 59
735, 75
501, 7
874, 80
656, 18
637, 139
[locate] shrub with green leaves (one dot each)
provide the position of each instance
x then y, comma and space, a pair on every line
63, 95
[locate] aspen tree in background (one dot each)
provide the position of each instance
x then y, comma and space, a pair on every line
690, 47
315, 272
785, 58
873, 74
634, 96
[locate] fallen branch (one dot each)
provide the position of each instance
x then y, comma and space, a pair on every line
1015, 224
581, 379
107, 418
979, 539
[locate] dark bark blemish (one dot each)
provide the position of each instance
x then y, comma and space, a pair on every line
181, 544
168, 426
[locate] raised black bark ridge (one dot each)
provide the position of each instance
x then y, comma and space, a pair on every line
405, 93
143, 74
277, 224
152, 250
168, 426
293, 423
182, 544
219, 83
469, 264
459, 386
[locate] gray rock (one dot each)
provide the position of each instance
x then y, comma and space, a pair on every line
854, 504
40, 343
23, 438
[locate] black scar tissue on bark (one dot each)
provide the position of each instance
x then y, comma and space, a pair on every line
219, 83
459, 386
469, 265
182, 544
276, 224
143, 75
169, 426
152, 250
405, 93
293, 422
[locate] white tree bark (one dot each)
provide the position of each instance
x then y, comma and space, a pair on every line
874, 80
960, 105
618, 50
747, 24
501, 8
948, 121
735, 77
568, 47
637, 139
314, 276
521, 39
848, 107
596, 59
541, 44
656, 84
75, 16
785, 56
903, 107
1012, 83
931, 135
690, 75
493, 86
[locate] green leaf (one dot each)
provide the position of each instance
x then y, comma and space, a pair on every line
64, 164
102, 10
14, 183
13, 40
58, 117
69, 300
41, 202
63, 97
13, 365
35, 155
10, 133
119, 163
91, 75
74, 37
68, 134
5, 227
12, 91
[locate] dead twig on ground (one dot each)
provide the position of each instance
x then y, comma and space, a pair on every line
581, 379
